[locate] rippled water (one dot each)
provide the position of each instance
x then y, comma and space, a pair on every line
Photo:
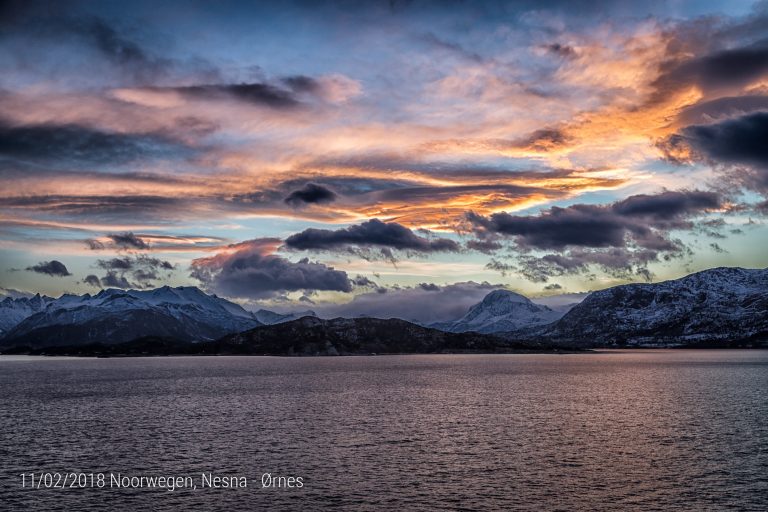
620, 430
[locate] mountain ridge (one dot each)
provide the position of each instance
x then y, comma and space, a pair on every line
714, 307
115, 315
722, 304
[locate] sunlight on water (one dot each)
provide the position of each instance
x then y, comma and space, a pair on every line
629, 430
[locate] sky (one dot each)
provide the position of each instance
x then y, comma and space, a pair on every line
360, 157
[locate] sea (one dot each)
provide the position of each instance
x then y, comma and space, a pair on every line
610, 430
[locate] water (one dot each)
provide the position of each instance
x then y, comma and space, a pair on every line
620, 430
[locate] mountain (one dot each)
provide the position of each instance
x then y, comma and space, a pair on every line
345, 336
114, 316
716, 307
267, 317
501, 311
14, 310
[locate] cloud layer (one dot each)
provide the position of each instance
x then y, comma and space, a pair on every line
594, 142
251, 270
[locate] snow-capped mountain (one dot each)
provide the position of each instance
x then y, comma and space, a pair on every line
267, 317
501, 311
713, 306
14, 310
114, 316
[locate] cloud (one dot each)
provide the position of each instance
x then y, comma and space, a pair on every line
310, 194
55, 25
107, 209
251, 270
484, 246
561, 50
424, 303
72, 143
642, 219
372, 233
94, 245
14, 294
53, 268
301, 83
256, 93
734, 67
128, 241
92, 280
284, 94
621, 238
115, 280
737, 142
139, 271
363, 282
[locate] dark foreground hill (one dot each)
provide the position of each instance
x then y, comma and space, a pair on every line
310, 336
342, 336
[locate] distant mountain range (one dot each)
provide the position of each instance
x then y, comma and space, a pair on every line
114, 316
717, 307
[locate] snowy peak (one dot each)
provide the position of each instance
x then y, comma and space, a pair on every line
498, 303
184, 312
14, 310
501, 311
712, 306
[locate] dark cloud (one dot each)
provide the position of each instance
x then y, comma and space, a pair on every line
112, 208
450, 48
71, 143
256, 93
94, 244
388, 235
500, 267
618, 262
92, 280
301, 83
484, 246
561, 50
553, 286
116, 280
430, 287
738, 142
126, 263
363, 282
667, 207
252, 272
642, 219
545, 139
134, 271
52, 268
717, 70
716, 247
54, 24
621, 238
721, 108
310, 194
128, 241
107, 40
